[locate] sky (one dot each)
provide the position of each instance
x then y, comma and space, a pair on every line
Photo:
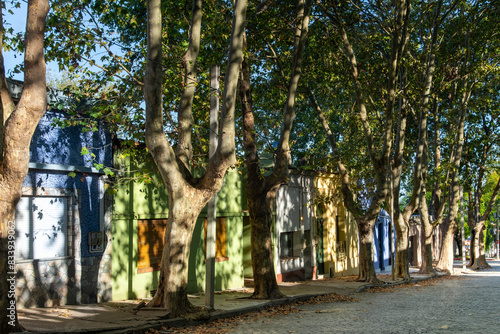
18, 23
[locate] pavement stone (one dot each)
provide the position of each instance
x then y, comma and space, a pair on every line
469, 304
119, 317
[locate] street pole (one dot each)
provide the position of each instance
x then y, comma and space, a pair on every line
498, 232
462, 223
393, 266
211, 208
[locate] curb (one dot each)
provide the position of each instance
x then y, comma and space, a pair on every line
182, 322
224, 314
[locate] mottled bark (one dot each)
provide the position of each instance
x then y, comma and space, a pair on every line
401, 263
260, 201
445, 262
401, 217
260, 207
380, 157
261, 191
187, 195
184, 150
366, 267
426, 232
18, 125
184, 208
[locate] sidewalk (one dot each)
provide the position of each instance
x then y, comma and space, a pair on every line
120, 317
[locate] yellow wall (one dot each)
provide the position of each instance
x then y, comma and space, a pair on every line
328, 189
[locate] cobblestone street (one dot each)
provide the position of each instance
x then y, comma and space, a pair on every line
467, 304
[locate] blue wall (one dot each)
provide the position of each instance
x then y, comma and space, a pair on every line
55, 145
381, 242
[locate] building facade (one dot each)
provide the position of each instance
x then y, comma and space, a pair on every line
63, 218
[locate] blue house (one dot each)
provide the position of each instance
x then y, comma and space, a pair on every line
63, 218
381, 241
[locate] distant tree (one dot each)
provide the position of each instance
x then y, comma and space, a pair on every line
473, 47
352, 24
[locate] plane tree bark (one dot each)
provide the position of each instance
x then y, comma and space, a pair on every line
187, 194
402, 216
261, 190
379, 157
431, 46
18, 122
471, 67
475, 218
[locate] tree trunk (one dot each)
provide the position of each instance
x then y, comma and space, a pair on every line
17, 127
426, 240
482, 255
8, 313
401, 264
477, 256
261, 191
446, 257
260, 206
184, 210
187, 195
366, 267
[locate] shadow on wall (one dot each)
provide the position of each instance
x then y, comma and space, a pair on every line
75, 275
46, 283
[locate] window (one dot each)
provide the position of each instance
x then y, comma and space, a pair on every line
41, 227
290, 244
341, 239
150, 234
220, 239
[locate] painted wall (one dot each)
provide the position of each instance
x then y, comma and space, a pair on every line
137, 201
381, 241
324, 233
340, 260
54, 152
55, 145
295, 217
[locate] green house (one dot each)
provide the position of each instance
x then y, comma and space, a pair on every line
140, 212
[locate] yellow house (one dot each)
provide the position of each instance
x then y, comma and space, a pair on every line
315, 235
337, 233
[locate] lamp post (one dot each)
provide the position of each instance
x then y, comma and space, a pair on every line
462, 226
212, 204
497, 216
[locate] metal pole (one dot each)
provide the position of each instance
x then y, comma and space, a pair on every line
462, 222
393, 266
498, 232
211, 209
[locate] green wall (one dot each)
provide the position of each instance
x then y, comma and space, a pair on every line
138, 200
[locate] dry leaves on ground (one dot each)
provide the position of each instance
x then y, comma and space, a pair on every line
352, 278
330, 298
428, 282
227, 325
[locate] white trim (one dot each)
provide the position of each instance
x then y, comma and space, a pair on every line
64, 168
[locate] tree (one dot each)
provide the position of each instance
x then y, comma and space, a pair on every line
480, 158
474, 55
187, 194
19, 121
378, 144
261, 190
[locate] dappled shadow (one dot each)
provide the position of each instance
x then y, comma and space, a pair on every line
54, 263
